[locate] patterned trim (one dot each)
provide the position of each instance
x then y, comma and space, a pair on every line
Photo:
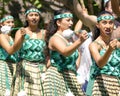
63, 16
6, 18
105, 18
32, 10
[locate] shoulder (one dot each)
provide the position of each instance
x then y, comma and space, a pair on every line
3, 36
93, 45
54, 38
57, 40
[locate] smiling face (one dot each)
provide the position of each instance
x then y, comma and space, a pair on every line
33, 18
106, 26
65, 23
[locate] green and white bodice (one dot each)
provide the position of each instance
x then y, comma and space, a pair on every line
112, 67
5, 56
63, 63
33, 50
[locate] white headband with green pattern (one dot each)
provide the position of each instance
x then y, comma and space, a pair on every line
6, 18
63, 16
32, 10
105, 18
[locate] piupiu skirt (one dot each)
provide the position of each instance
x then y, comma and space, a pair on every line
105, 85
28, 77
60, 83
6, 74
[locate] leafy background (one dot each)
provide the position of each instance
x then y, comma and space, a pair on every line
47, 7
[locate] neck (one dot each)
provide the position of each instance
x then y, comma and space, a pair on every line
33, 29
106, 40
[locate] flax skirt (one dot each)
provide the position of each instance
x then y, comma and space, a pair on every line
106, 86
6, 74
58, 84
28, 78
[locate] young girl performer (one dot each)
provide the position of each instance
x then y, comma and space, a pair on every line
105, 71
60, 77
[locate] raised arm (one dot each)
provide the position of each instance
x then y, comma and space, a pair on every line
82, 14
78, 26
17, 44
116, 6
102, 60
19, 38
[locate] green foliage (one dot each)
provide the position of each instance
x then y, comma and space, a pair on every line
37, 4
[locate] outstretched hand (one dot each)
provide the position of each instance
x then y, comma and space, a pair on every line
83, 35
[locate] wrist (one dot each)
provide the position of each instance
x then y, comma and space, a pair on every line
26, 36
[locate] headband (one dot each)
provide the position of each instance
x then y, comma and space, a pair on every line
105, 18
63, 16
32, 10
6, 18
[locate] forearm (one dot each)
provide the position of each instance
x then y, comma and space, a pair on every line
78, 26
18, 43
77, 6
104, 59
115, 6
72, 48
82, 14
118, 44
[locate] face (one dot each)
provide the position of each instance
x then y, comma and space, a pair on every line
33, 18
106, 26
65, 23
8, 22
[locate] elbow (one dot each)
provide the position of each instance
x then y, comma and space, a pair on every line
100, 65
65, 54
10, 52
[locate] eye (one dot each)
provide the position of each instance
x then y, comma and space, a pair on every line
30, 14
104, 22
36, 15
111, 22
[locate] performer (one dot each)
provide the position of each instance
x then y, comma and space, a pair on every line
105, 71
60, 77
30, 72
7, 61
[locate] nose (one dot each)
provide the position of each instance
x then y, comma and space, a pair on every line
34, 16
71, 22
108, 25
11, 24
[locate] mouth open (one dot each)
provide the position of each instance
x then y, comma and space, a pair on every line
108, 31
34, 21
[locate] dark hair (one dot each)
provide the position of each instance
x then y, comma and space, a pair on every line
30, 7
52, 26
96, 31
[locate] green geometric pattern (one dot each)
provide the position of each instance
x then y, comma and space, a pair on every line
112, 67
64, 63
5, 56
33, 50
